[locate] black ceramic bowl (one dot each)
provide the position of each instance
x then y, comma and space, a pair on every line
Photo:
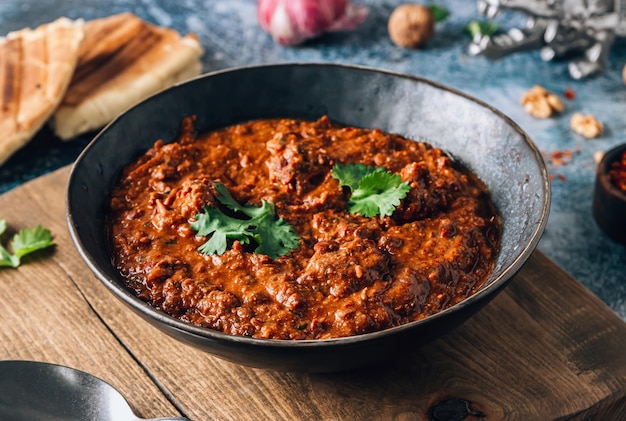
480, 137
609, 202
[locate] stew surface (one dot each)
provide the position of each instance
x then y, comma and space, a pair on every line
350, 274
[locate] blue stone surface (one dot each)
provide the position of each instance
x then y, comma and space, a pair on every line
230, 34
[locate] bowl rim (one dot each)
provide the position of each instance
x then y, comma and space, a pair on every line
484, 293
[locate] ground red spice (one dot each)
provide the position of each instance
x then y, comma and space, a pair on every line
617, 173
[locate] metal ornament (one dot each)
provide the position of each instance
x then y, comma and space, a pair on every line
583, 29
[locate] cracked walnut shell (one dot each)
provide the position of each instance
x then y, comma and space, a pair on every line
540, 103
586, 125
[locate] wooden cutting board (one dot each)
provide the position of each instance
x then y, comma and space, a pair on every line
544, 349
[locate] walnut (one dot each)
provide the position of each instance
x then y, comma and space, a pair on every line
586, 125
597, 156
540, 103
411, 25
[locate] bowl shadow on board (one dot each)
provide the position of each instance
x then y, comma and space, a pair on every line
478, 136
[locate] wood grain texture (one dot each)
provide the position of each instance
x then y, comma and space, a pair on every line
545, 348
45, 317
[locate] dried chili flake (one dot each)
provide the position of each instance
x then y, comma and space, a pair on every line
558, 176
617, 173
562, 157
569, 94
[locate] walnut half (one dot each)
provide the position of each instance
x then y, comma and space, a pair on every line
586, 125
540, 103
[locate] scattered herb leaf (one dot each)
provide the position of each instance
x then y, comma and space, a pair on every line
439, 12
274, 236
375, 191
481, 28
26, 241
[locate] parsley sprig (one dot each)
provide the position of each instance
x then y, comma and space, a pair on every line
375, 191
26, 241
274, 236
481, 28
439, 12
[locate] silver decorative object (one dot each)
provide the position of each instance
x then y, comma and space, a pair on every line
582, 29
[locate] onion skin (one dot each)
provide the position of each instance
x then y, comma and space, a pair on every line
291, 22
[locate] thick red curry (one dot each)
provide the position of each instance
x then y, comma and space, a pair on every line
350, 274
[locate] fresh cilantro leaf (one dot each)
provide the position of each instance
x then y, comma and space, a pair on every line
439, 12
350, 175
226, 199
223, 228
7, 259
481, 28
274, 236
29, 240
24, 242
378, 194
374, 190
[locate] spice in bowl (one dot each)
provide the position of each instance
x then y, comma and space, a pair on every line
609, 201
617, 173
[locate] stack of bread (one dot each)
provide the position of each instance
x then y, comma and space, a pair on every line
80, 75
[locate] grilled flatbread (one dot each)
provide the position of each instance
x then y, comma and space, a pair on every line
36, 66
123, 60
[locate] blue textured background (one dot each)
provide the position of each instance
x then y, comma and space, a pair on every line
229, 32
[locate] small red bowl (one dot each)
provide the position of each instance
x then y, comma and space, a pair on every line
609, 202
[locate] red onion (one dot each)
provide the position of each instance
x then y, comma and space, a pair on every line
291, 22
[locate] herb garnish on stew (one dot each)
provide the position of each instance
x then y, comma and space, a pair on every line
274, 236
375, 191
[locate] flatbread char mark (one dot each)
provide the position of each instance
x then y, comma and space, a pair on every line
122, 61
36, 67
